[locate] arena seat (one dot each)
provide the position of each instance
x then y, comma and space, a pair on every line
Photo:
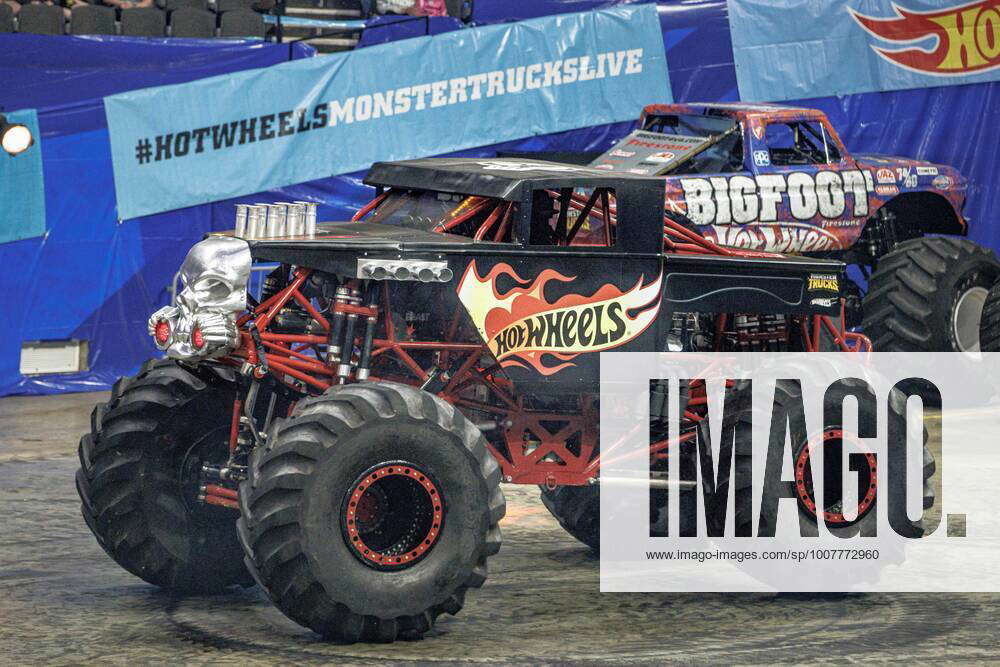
173, 5
6, 18
242, 23
41, 19
460, 9
191, 22
92, 20
223, 6
144, 22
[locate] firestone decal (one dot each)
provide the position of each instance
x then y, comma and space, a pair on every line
968, 37
744, 199
521, 326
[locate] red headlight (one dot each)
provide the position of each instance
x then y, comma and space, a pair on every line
197, 338
162, 332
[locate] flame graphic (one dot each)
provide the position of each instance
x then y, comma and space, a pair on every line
968, 37
498, 316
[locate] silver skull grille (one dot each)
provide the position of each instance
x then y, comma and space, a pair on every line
203, 324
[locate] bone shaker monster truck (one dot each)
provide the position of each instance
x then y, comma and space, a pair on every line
776, 178
342, 439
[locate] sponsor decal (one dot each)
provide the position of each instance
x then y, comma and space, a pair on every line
644, 148
887, 190
669, 142
824, 282
907, 176
927, 171
826, 302
636, 170
941, 182
661, 158
784, 237
758, 131
885, 176
605, 166
521, 326
762, 158
967, 37
527, 166
844, 223
743, 199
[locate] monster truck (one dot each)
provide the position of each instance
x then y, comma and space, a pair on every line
779, 179
342, 439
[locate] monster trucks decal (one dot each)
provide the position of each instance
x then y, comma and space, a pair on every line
968, 37
520, 326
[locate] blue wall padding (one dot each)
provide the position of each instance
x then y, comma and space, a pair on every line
98, 280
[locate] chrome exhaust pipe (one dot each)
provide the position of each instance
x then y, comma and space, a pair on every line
240, 228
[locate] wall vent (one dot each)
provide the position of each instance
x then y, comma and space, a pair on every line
44, 357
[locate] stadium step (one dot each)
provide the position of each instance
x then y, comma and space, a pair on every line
322, 13
344, 10
329, 43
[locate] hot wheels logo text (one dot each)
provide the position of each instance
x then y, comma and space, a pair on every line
968, 37
521, 325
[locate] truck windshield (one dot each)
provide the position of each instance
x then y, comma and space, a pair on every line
722, 152
482, 218
417, 209
696, 124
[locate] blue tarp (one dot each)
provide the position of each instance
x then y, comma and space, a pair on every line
98, 280
88, 277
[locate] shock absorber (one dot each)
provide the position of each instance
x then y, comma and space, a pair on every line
364, 360
341, 297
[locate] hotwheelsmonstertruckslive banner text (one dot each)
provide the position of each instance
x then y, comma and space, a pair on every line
797, 49
226, 136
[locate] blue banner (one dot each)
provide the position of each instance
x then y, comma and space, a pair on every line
22, 186
222, 137
795, 49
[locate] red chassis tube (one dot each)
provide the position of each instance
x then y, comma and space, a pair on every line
297, 360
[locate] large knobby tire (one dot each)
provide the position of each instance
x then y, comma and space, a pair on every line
989, 326
927, 296
578, 511
371, 511
786, 395
138, 480
578, 508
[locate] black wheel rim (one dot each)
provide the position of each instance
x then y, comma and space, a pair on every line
392, 515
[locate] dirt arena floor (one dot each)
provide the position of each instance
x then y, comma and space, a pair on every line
63, 601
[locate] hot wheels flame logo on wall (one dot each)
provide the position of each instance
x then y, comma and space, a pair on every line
967, 37
520, 326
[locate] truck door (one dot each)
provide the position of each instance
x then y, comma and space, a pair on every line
810, 194
574, 289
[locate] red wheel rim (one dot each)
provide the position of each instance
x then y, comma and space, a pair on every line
803, 477
393, 515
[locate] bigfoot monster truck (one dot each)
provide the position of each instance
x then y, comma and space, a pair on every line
346, 435
779, 179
